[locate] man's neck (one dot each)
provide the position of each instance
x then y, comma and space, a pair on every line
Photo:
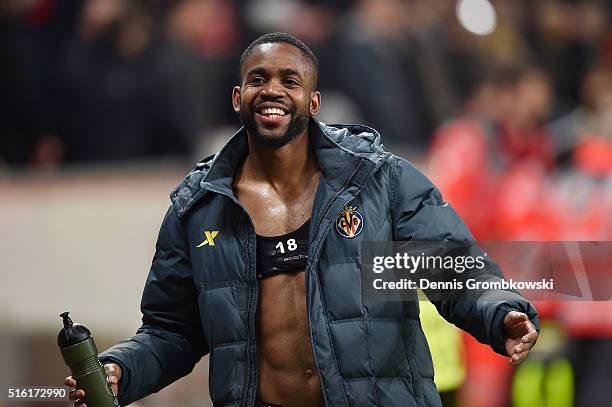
287, 168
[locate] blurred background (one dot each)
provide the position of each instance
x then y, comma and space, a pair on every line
106, 104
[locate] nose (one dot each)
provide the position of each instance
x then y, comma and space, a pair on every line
272, 89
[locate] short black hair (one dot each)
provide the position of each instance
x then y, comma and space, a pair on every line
276, 37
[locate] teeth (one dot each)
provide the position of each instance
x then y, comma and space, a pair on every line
273, 111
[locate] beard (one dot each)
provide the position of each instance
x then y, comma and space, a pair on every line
297, 124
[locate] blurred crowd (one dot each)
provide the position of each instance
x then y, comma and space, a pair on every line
116, 80
526, 155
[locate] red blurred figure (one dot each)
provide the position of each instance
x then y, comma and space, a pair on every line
496, 166
492, 165
495, 150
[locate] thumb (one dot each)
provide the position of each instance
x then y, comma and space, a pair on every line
515, 317
513, 324
113, 371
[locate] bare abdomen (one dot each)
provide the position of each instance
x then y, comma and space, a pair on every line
287, 371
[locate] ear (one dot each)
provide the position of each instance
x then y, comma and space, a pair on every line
236, 98
315, 102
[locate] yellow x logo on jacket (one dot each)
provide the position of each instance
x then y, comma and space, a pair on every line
210, 238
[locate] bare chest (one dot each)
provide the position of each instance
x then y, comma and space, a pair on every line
274, 215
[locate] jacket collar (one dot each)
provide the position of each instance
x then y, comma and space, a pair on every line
345, 154
336, 159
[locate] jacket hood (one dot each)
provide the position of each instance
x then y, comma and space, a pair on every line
343, 151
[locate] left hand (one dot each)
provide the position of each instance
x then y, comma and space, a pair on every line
519, 336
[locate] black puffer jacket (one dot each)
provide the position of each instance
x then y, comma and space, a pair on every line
200, 300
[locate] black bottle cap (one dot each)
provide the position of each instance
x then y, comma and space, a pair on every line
71, 333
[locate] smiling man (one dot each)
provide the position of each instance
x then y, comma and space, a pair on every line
257, 262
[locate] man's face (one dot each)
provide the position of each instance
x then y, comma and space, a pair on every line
276, 96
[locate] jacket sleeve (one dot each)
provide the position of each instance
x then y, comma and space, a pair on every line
170, 340
420, 214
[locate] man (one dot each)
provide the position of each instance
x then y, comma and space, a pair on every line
257, 262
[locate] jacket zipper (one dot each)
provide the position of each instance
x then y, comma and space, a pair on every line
309, 264
250, 297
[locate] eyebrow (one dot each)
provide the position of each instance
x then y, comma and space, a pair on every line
290, 71
256, 71
262, 71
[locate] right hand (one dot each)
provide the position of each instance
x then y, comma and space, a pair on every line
113, 371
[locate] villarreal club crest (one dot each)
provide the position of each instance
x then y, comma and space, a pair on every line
350, 222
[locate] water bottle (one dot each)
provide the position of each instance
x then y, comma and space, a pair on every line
81, 356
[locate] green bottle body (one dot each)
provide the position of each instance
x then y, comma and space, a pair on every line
86, 369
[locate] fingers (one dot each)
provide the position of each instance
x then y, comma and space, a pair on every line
531, 337
521, 351
74, 394
517, 325
519, 357
78, 396
526, 343
521, 348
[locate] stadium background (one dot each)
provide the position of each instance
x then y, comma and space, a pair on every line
105, 105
